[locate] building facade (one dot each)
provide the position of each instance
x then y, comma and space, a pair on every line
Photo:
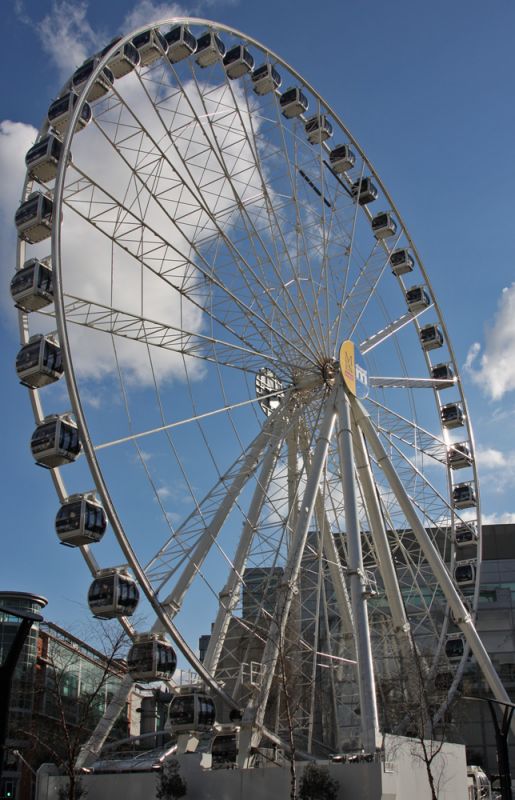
60, 683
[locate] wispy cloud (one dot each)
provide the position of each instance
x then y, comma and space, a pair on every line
68, 38
489, 458
65, 33
15, 140
492, 367
146, 12
503, 518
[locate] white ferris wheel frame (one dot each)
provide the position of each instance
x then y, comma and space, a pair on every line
355, 427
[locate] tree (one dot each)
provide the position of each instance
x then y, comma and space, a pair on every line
316, 784
411, 704
73, 684
170, 784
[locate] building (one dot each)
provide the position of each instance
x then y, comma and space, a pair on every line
59, 681
495, 624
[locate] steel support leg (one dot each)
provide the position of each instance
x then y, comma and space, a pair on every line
431, 555
229, 595
254, 715
366, 681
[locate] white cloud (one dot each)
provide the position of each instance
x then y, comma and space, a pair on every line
502, 518
15, 140
490, 458
68, 38
66, 35
495, 373
147, 12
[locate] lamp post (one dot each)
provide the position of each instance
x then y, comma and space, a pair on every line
501, 740
27, 619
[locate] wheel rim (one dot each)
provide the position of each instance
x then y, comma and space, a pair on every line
255, 278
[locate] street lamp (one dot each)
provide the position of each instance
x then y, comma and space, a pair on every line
501, 740
27, 619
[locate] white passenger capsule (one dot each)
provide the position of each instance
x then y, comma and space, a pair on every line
124, 60
459, 456
431, 337
417, 299
181, 43
60, 112
464, 496
151, 658
42, 159
238, 61
465, 573
383, 225
364, 191
151, 45
265, 79
33, 219
113, 594
293, 102
39, 362
56, 441
102, 84
32, 285
80, 520
341, 158
452, 415
192, 711
210, 49
318, 129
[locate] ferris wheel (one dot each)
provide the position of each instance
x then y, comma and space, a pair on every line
261, 383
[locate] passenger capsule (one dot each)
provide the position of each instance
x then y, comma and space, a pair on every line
124, 60
80, 520
318, 129
442, 372
454, 648
444, 681
465, 573
113, 594
192, 711
383, 225
103, 82
431, 337
265, 79
43, 157
401, 262
293, 103
342, 159
459, 456
417, 299
452, 415
181, 43
457, 619
151, 658
224, 749
364, 191
39, 362
55, 441
32, 285
465, 534
151, 45
210, 49
464, 496
61, 110
237, 61
33, 218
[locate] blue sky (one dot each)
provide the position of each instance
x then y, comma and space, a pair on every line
427, 91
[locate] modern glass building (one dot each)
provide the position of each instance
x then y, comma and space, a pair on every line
61, 683
22, 691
